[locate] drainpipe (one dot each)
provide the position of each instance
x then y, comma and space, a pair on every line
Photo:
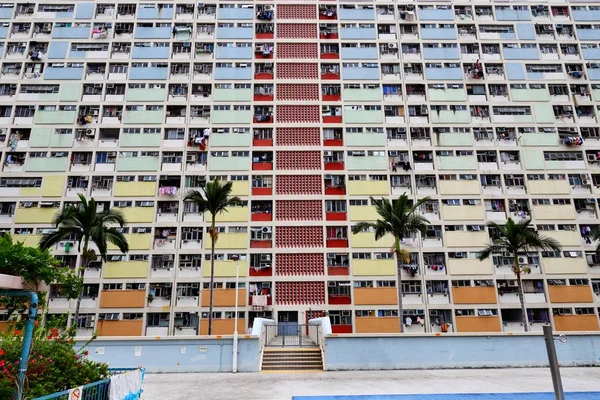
26, 348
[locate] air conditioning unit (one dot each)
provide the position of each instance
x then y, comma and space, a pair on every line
346, 313
523, 260
331, 284
267, 229
592, 157
331, 256
393, 153
168, 285
265, 257
434, 313
265, 265
89, 324
392, 46
178, 315
266, 285
513, 283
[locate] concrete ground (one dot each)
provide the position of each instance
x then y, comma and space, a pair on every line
282, 386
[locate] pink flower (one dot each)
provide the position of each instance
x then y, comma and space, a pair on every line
1, 352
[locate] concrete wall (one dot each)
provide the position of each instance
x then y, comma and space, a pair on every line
177, 354
370, 352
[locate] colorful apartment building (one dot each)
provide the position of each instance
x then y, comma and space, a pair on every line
490, 108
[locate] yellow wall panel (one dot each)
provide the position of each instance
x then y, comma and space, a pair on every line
35, 215
28, 240
137, 214
30, 192
554, 212
469, 266
228, 241
136, 241
370, 188
385, 267
233, 214
128, 189
459, 187
240, 188
367, 240
463, 213
53, 185
466, 239
549, 187
363, 213
565, 238
565, 265
125, 269
224, 268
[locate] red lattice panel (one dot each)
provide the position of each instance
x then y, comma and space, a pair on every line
298, 185
298, 160
297, 31
299, 210
298, 137
296, 11
299, 264
298, 114
297, 71
293, 293
299, 236
292, 91
297, 50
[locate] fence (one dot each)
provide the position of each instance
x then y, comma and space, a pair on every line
291, 335
99, 390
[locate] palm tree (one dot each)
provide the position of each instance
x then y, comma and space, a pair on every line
84, 224
596, 237
399, 219
214, 198
514, 238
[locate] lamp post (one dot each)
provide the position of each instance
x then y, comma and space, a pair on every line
236, 258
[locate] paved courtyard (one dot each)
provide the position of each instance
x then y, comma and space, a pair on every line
322, 385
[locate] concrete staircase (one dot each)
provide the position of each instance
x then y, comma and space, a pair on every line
292, 359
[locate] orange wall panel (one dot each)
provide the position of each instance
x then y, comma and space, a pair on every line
478, 324
570, 294
375, 296
122, 299
120, 328
377, 325
474, 295
576, 322
223, 297
222, 326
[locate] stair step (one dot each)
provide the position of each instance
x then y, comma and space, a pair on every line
293, 361
293, 368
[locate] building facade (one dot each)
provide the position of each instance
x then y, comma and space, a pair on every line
309, 108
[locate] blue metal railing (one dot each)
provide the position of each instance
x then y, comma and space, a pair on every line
92, 391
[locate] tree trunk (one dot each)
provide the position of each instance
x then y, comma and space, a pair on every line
517, 271
84, 265
213, 237
399, 287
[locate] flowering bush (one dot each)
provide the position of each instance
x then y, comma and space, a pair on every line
54, 363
